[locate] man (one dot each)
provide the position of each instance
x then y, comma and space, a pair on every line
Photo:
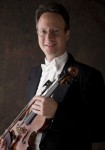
75, 110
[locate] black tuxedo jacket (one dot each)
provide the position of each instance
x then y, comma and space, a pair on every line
79, 119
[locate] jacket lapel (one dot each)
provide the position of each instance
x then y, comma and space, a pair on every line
33, 82
61, 90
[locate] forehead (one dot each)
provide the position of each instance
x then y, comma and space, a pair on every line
50, 19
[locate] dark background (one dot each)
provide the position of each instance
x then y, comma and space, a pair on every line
19, 50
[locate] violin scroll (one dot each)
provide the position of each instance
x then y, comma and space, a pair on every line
69, 76
73, 71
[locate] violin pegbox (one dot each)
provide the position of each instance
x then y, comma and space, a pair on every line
68, 77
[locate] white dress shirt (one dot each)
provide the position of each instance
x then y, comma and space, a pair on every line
50, 71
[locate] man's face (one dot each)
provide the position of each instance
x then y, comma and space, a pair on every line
52, 36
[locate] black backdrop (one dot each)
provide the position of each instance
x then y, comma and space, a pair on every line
19, 50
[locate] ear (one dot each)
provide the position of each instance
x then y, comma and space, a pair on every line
67, 34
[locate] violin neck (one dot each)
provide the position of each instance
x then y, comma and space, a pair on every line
29, 118
32, 115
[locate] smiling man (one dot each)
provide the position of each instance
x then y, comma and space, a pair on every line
75, 110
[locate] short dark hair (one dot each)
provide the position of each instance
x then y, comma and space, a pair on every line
55, 8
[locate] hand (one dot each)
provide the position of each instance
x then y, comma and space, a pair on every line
44, 106
2, 144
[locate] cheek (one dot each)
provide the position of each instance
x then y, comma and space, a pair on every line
40, 41
62, 40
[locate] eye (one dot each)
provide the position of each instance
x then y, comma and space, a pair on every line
41, 32
55, 31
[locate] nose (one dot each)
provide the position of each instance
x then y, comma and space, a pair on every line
49, 35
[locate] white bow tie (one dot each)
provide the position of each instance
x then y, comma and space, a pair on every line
51, 66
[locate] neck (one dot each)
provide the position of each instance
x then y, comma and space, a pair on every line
51, 57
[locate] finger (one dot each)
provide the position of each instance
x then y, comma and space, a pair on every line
2, 144
37, 110
38, 102
36, 107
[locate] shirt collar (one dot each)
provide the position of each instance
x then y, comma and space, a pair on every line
58, 61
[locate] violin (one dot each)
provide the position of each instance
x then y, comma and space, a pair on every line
20, 135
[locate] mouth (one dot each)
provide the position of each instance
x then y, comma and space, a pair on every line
49, 45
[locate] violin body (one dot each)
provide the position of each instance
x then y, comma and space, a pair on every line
22, 136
